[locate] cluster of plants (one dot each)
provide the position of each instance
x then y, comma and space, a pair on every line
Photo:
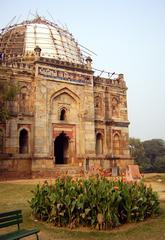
95, 201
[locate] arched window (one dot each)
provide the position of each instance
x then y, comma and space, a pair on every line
23, 141
1, 141
23, 104
63, 115
99, 144
115, 107
116, 144
97, 102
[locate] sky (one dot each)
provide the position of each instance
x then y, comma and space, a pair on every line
128, 37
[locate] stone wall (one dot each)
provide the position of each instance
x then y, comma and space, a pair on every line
111, 118
14, 168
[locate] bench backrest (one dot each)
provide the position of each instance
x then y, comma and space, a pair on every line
11, 218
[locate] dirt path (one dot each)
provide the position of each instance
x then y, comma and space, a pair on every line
159, 188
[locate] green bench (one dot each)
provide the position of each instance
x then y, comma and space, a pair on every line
8, 219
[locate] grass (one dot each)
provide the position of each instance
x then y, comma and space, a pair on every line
15, 195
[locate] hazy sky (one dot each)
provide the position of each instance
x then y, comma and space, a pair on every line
128, 37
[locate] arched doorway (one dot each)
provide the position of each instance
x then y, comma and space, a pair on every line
61, 147
23, 141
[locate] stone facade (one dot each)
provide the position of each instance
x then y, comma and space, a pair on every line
62, 116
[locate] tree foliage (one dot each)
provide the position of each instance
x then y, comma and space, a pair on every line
137, 149
154, 148
8, 92
149, 155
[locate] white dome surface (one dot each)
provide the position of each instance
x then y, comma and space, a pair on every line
54, 41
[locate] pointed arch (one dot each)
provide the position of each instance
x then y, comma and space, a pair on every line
61, 149
98, 102
63, 114
23, 141
67, 91
115, 101
23, 99
116, 144
64, 105
99, 143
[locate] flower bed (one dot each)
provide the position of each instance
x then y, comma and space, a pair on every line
93, 201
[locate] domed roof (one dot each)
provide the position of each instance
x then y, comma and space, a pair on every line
55, 42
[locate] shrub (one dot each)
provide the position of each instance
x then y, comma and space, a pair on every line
93, 201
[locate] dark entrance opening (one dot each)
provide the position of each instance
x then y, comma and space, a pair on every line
23, 141
61, 145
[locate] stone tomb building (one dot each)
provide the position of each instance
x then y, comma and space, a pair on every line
63, 116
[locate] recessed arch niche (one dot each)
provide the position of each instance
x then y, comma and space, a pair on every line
64, 105
23, 141
99, 144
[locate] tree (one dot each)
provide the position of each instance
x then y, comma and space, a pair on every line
138, 153
154, 148
8, 92
155, 152
136, 149
159, 165
149, 155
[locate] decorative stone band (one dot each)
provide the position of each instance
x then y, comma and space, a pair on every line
112, 122
121, 124
65, 76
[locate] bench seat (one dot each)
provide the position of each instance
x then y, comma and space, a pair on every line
19, 234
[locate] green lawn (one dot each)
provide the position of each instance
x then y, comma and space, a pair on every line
15, 195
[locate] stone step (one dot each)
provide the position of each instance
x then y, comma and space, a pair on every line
66, 168
71, 170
